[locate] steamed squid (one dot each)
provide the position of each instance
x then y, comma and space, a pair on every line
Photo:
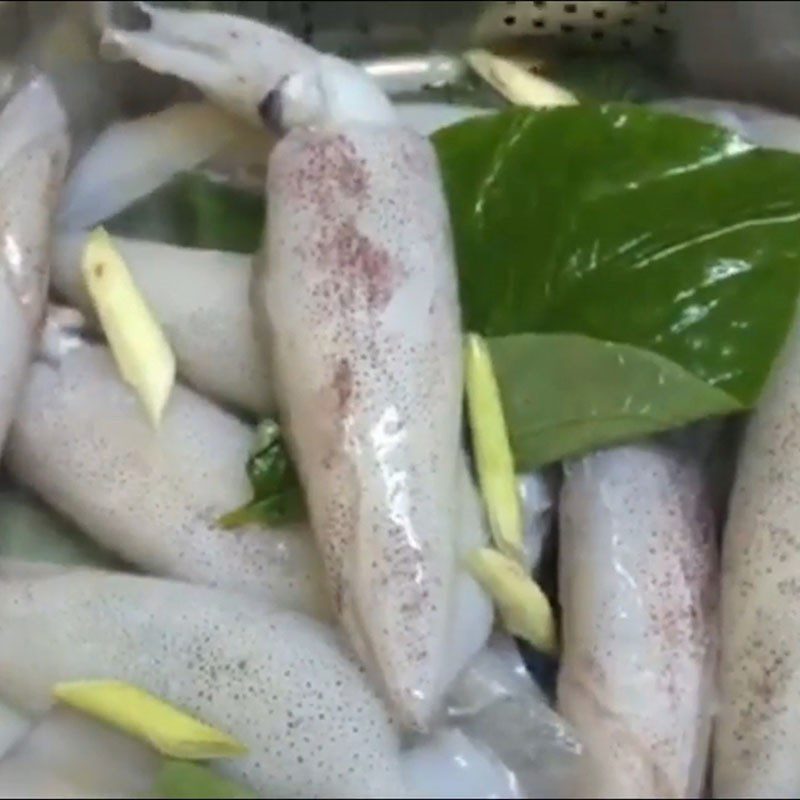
638, 595
33, 153
82, 442
277, 681
356, 304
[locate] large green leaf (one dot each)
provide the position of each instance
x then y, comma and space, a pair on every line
616, 223
564, 394
628, 226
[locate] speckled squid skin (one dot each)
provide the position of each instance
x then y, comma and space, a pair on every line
758, 730
361, 301
638, 596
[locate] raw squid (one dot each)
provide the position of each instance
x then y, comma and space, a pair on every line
359, 314
758, 728
449, 765
200, 297
33, 154
359, 298
280, 682
83, 443
637, 590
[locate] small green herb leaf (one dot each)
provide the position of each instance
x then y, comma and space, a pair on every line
277, 495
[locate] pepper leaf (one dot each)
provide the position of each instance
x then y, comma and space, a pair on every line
631, 227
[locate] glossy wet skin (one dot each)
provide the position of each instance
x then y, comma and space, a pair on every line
638, 586
355, 301
358, 254
759, 720
33, 154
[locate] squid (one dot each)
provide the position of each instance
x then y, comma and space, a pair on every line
34, 148
81, 442
758, 728
638, 584
51, 750
198, 295
279, 682
200, 298
355, 303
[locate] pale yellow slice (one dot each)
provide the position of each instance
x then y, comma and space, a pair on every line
493, 458
522, 605
170, 731
140, 348
517, 84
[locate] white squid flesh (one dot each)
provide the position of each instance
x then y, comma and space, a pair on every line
279, 682
358, 307
638, 585
82, 442
34, 149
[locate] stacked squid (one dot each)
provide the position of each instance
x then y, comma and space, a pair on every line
347, 324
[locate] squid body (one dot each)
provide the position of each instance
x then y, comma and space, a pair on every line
355, 300
638, 585
34, 148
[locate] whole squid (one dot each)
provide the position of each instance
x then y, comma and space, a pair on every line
34, 148
355, 299
638, 598
81, 441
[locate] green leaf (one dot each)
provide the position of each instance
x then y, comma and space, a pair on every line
194, 211
184, 779
627, 226
564, 394
277, 496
